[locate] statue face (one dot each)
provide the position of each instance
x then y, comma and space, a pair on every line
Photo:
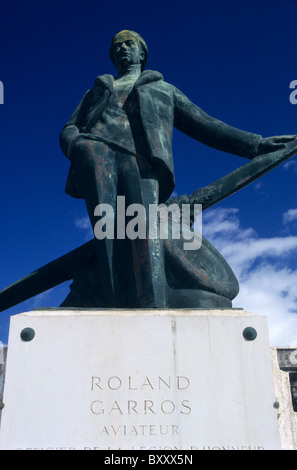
126, 51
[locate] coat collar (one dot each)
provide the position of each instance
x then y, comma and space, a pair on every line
147, 76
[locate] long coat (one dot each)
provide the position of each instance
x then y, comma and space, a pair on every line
161, 107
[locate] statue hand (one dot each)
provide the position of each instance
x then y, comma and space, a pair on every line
271, 144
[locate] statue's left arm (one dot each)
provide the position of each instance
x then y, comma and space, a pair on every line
193, 121
70, 131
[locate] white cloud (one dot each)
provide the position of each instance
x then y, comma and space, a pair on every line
83, 223
290, 165
268, 283
290, 216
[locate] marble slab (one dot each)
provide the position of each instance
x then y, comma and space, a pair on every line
139, 380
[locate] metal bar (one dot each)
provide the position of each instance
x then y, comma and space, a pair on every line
243, 176
47, 277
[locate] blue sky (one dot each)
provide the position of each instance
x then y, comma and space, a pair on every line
235, 59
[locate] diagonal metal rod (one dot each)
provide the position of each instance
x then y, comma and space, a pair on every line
51, 275
243, 176
237, 179
63, 268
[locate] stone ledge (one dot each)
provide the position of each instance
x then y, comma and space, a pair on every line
136, 312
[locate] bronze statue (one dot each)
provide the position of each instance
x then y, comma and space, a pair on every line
119, 143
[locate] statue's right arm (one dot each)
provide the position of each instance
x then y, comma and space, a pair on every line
193, 121
70, 131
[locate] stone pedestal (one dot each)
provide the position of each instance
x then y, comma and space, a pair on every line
139, 379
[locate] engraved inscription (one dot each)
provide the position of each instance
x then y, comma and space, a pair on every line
139, 398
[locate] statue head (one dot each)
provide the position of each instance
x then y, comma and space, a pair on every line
128, 36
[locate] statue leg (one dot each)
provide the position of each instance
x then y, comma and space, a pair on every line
137, 181
95, 164
106, 173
